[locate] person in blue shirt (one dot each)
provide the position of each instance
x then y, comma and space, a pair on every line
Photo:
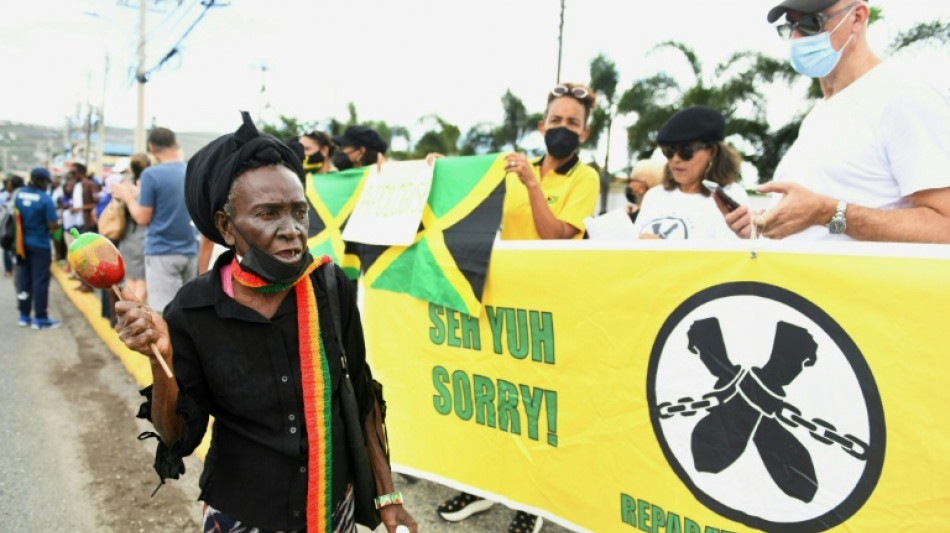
171, 241
37, 219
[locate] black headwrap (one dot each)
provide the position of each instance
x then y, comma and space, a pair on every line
213, 169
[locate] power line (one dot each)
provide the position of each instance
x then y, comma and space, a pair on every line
164, 24
174, 50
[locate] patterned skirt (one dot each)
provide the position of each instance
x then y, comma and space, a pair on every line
215, 521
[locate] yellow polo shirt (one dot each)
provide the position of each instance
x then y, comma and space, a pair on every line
572, 192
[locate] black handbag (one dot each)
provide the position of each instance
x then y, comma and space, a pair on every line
364, 481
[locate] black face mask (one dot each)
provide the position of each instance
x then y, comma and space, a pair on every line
561, 142
341, 161
313, 161
632, 198
269, 268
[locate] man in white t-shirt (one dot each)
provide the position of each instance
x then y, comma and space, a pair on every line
872, 159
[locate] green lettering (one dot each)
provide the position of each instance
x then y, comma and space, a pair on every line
496, 320
673, 523
517, 332
452, 328
659, 518
463, 395
531, 400
550, 401
437, 331
442, 400
484, 400
628, 510
542, 337
471, 338
643, 515
710, 529
508, 419
690, 527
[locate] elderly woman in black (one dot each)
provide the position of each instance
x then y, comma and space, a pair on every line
252, 343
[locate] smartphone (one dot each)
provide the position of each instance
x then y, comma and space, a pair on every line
720, 193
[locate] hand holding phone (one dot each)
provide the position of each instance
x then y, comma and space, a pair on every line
720, 193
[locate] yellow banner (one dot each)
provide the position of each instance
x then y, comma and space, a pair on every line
682, 391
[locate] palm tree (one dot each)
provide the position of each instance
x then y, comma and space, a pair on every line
443, 139
515, 124
737, 91
603, 80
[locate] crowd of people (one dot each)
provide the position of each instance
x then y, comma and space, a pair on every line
870, 163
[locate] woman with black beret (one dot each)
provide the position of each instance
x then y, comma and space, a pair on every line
692, 141
252, 343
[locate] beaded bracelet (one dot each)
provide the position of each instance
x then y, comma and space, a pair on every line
386, 500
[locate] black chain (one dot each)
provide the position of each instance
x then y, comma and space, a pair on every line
822, 431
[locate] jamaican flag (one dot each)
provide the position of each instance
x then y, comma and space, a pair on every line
448, 261
332, 198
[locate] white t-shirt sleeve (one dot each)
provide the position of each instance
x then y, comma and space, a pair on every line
916, 129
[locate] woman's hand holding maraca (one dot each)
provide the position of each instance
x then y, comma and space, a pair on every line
139, 327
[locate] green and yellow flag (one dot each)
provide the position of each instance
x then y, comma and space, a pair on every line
448, 262
332, 198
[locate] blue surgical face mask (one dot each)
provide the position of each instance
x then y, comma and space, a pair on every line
814, 56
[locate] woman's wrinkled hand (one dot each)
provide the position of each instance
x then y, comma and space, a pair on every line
394, 516
139, 326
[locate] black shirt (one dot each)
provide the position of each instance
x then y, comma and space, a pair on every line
244, 370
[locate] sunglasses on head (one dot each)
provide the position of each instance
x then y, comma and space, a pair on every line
685, 151
808, 24
563, 90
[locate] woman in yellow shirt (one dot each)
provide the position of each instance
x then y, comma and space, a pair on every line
549, 197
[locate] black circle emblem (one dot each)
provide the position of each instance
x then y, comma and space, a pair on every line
766, 409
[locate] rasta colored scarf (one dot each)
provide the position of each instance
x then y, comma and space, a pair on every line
317, 391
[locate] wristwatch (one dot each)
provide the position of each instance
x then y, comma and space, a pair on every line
838, 224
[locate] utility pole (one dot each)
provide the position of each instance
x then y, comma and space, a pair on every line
560, 44
139, 143
100, 146
88, 151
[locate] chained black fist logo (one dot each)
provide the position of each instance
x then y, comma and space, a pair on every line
748, 406
766, 409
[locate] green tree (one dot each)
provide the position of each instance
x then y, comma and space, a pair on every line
604, 78
442, 139
736, 92
515, 123
479, 139
925, 32
287, 127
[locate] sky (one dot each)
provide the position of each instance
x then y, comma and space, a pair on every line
397, 60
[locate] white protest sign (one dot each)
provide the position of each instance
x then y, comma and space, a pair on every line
612, 225
390, 207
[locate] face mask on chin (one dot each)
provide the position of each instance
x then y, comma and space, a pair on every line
267, 267
814, 56
561, 142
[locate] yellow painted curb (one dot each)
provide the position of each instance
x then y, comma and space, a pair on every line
89, 304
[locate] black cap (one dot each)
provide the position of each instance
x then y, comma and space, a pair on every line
357, 136
697, 123
804, 6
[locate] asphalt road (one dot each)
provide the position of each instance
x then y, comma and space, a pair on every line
71, 460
